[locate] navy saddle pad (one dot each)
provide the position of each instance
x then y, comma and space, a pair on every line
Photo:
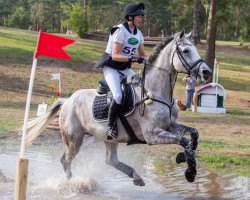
104, 97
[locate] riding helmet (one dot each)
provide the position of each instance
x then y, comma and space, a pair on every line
133, 9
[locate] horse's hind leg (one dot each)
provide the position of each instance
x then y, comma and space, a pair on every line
111, 159
72, 148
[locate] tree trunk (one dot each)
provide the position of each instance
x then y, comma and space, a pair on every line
85, 3
196, 22
237, 12
224, 30
211, 36
205, 29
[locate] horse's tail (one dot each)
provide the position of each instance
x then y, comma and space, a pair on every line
39, 123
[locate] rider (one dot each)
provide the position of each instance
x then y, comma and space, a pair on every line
124, 41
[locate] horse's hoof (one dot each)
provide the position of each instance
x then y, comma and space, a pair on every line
180, 158
190, 174
139, 182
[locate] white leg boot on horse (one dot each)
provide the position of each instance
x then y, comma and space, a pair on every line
111, 159
112, 120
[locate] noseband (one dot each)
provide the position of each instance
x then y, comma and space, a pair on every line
185, 64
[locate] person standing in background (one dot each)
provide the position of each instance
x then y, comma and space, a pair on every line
189, 90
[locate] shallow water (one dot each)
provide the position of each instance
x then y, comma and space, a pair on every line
46, 179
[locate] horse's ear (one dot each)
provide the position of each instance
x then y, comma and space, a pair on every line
189, 36
181, 33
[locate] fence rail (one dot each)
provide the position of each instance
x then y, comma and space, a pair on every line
148, 41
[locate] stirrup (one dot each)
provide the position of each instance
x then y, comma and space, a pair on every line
112, 131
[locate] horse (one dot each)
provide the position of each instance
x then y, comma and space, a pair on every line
153, 122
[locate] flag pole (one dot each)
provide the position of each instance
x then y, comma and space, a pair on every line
59, 84
22, 163
26, 117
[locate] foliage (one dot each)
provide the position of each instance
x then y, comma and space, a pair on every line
19, 19
77, 18
70, 93
160, 15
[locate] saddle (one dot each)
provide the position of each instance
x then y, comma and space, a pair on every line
102, 102
104, 98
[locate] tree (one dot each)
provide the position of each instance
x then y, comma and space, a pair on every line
196, 22
20, 19
6, 8
211, 36
77, 18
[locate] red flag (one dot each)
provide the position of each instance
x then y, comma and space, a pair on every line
51, 46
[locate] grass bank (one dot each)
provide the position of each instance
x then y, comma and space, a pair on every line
224, 139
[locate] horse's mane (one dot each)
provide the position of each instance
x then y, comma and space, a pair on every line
157, 49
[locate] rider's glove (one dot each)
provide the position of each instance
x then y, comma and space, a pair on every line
139, 60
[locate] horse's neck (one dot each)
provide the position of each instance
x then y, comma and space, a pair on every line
160, 80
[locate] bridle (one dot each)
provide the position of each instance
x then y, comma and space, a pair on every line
186, 66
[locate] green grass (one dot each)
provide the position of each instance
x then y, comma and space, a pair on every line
18, 45
211, 144
233, 164
8, 126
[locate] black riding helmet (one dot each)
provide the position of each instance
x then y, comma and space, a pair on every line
133, 9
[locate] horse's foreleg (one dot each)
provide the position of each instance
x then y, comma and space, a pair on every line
183, 130
160, 136
72, 148
112, 159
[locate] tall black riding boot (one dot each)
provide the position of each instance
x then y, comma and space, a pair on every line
112, 118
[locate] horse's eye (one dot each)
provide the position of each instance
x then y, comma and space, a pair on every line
185, 51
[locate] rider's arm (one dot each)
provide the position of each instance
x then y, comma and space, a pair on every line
141, 51
116, 56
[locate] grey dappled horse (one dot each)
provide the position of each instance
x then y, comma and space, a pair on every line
158, 123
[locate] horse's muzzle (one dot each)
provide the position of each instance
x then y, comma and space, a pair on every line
206, 72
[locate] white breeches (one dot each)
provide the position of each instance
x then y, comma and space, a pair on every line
112, 78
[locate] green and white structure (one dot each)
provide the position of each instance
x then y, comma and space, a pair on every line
209, 98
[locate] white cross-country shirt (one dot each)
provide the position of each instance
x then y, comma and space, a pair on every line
129, 41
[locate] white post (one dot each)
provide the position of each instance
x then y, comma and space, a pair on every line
26, 116
217, 73
60, 84
214, 70
217, 87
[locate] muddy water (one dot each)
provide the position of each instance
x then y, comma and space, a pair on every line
94, 180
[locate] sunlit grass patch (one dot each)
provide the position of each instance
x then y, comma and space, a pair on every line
234, 164
208, 144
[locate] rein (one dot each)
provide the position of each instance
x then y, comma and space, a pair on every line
143, 90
